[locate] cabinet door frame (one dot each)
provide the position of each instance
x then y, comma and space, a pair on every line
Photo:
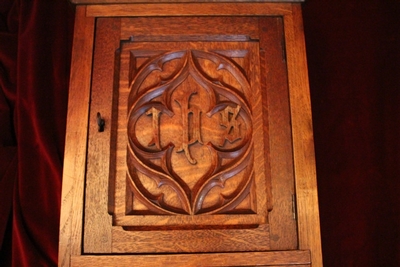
71, 223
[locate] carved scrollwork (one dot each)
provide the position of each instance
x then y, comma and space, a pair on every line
189, 134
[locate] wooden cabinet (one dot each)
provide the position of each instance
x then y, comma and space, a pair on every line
189, 137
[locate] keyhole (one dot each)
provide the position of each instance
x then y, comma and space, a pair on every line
100, 122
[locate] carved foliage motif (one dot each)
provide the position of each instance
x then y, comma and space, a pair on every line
190, 148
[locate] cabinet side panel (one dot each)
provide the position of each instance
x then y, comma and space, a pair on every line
303, 142
75, 140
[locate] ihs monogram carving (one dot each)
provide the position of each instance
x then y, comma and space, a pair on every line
190, 148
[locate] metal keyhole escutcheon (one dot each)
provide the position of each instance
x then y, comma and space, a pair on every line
100, 122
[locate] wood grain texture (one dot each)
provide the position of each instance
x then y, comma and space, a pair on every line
273, 258
198, 236
190, 240
303, 143
97, 220
197, 138
185, 9
193, 158
75, 140
276, 105
196, 28
237, 238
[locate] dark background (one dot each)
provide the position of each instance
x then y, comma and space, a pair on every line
353, 59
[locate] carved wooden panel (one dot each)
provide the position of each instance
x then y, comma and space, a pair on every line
189, 139
197, 135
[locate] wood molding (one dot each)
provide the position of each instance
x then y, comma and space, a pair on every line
185, 9
76, 139
302, 134
272, 258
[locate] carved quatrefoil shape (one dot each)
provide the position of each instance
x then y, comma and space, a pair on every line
190, 147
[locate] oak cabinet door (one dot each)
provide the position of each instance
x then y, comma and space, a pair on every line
196, 153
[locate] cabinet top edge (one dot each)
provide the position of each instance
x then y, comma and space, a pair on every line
89, 2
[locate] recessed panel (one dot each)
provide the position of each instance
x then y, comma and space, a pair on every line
190, 140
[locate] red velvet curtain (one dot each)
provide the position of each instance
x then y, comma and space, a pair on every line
354, 68
353, 55
35, 48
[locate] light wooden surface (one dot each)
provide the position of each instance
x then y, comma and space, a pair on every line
99, 150
75, 141
302, 134
274, 258
185, 9
203, 27
189, 241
